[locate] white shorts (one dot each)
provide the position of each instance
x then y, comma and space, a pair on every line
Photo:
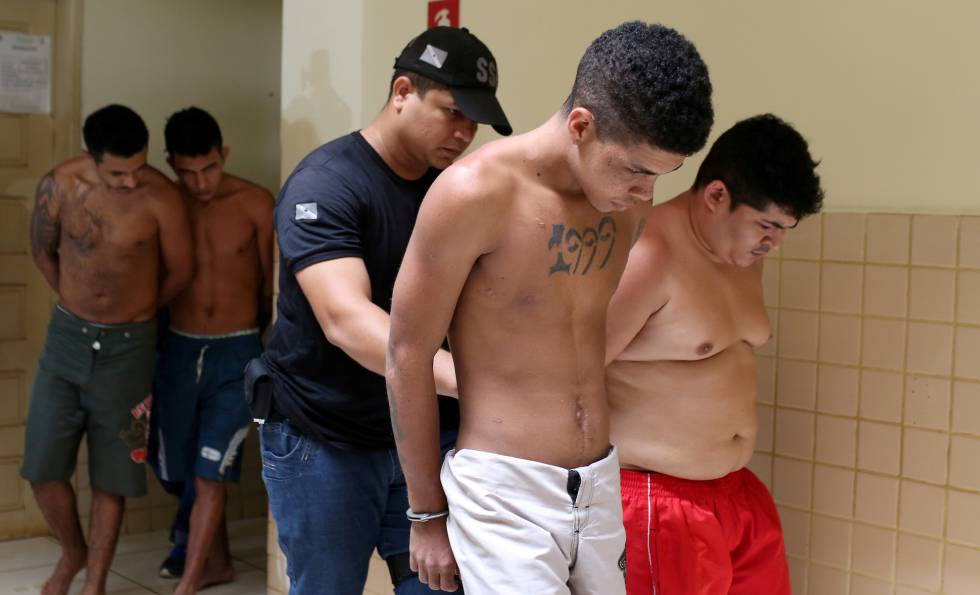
519, 526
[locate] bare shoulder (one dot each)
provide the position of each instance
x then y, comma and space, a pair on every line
73, 172
248, 193
484, 179
652, 251
250, 198
75, 166
162, 195
237, 185
158, 186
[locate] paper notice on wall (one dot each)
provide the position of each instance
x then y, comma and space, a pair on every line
25, 73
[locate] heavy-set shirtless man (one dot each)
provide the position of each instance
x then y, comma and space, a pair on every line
110, 235
682, 327
200, 417
516, 253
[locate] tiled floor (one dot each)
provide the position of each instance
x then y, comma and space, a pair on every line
25, 564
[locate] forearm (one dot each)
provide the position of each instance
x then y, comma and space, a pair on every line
49, 268
362, 333
170, 286
415, 422
444, 373
364, 337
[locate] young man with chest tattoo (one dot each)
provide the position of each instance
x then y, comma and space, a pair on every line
516, 253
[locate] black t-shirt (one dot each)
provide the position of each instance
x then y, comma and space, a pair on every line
341, 201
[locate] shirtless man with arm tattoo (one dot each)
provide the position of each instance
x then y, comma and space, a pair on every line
110, 235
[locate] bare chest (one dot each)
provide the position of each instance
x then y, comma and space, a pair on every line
221, 231
551, 265
706, 312
95, 224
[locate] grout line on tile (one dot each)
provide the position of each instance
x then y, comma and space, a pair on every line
860, 366
895, 265
884, 317
904, 390
816, 390
943, 551
775, 378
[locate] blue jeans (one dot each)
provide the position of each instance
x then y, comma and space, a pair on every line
334, 504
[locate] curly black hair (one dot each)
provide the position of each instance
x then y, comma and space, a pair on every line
192, 132
114, 129
764, 160
645, 83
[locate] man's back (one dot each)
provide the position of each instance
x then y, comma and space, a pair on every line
528, 330
683, 390
109, 249
232, 235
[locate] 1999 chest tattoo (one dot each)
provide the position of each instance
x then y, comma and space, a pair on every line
577, 248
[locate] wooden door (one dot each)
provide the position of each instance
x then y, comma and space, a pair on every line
30, 145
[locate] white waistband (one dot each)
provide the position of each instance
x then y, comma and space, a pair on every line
243, 333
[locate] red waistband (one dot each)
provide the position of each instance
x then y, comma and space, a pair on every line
641, 482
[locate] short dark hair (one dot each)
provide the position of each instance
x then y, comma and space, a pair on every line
763, 160
423, 84
645, 83
114, 129
192, 132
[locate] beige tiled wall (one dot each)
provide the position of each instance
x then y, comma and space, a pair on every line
870, 403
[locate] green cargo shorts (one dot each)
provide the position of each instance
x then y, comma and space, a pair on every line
92, 379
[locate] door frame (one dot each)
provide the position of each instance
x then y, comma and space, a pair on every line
66, 100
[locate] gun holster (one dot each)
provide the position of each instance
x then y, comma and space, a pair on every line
258, 389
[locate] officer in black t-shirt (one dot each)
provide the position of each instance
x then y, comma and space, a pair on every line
344, 218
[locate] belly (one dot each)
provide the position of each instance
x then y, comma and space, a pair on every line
219, 300
109, 287
690, 419
566, 430
534, 394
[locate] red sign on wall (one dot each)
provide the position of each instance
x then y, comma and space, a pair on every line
443, 13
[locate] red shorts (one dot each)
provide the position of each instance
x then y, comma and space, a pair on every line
713, 537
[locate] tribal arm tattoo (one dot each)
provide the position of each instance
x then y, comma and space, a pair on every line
46, 229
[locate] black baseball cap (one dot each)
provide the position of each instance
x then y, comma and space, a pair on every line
457, 59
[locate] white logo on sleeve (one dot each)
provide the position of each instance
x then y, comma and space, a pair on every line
307, 210
210, 454
434, 56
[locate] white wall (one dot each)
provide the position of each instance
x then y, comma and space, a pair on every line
161, 56
887, 93
322, 70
